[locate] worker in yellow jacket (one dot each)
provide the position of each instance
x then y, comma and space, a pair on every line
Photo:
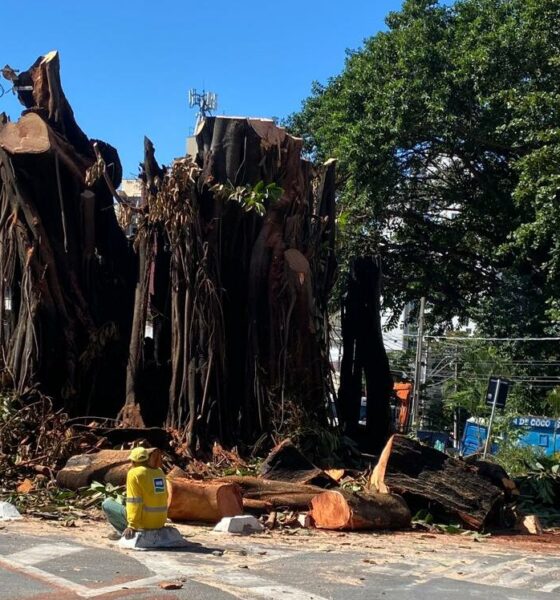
146, 498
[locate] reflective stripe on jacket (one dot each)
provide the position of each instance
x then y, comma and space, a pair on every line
146, 498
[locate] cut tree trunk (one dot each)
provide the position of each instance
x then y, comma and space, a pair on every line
105, 466
428, 479
249, 230
275, 494
206, 501
66, 273
339, 509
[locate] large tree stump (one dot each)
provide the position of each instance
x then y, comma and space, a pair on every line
428, 479
339, 509
248, 235
66, 289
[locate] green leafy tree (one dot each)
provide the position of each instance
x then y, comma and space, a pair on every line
447, 128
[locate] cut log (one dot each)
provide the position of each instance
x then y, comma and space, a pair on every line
339, 509
105, 466
277, 494
191, 500
286, 463
259, 506
428, 479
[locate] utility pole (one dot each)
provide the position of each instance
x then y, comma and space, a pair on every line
418, 365
455, 407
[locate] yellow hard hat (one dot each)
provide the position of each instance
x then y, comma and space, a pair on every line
139, 455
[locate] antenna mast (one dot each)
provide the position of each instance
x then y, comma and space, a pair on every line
206, 102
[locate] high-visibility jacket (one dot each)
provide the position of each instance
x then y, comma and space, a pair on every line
146, 498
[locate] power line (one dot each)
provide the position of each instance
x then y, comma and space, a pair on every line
485, 339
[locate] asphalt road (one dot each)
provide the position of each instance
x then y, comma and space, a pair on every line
61, 567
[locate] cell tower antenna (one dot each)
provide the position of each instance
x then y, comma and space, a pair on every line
206, 102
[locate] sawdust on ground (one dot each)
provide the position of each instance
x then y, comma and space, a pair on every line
94, 532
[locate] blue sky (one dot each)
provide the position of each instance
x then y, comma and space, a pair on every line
127, 66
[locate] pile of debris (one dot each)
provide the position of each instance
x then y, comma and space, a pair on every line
290, 492
62, 469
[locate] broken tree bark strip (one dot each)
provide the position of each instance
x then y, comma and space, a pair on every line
105, 466
377, 477
448, 487
206, 501
340, 509
286, 463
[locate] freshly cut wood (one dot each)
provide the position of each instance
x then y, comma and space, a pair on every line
377, 477
278, 494
29, 135
206, 501
336, 474
286, 463
105, 466
339, 509
429, 479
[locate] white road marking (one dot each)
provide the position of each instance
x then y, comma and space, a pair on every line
76, 588
506, 573
43, 552
520, 573
257, 587
550, 587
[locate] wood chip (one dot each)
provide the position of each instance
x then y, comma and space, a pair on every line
25, 487
170, 585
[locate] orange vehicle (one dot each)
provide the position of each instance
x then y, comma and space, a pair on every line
403, 395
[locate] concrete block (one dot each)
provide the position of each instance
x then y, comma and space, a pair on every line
166, 537
242, 524
8, 512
